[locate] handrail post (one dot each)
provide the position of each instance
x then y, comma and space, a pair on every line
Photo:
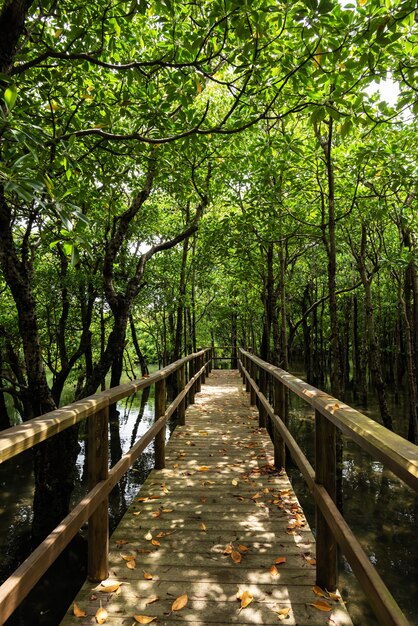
279, 407
98, 468
202, 364
160, 406
262, 387
252, 370
192, 371
181, 410
247, 365
199, 380
326, 475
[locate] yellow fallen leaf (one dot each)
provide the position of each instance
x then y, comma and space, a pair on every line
128, 557
108, 586
167, 510
234, 482
144, 619
280, 560
137, 513
78, 612
321, 605
180, 602
164, 533
152, 600
242, 548
147, 575
203, 468
282, 613
319, 592
236, 556
246, 598
154, 542
273, 571
101, 615
309, 560
334, 596
203, 527
228, 549
131, 564
156, 513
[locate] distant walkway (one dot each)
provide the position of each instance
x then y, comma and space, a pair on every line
218, 523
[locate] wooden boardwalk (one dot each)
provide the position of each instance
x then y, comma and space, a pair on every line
218, 522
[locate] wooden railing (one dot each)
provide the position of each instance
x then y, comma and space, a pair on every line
268, 387
94, 506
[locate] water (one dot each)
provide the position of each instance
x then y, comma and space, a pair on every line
381, 511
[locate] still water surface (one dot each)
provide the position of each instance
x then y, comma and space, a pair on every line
381, 511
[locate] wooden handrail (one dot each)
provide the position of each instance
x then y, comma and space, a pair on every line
19, 438
399, 455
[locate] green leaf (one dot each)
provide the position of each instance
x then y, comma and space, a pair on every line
10, 96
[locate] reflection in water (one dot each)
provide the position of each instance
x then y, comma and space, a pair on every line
381, 511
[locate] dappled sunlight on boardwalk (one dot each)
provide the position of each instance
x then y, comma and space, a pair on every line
220, 524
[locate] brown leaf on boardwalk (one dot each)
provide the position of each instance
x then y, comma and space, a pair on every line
128, 557
180, 602
151, 600
78, 612
154, 542
321, 605
280, 560
309, 559
164, 533
203, 499
228, 548
246, 598
144, 619
131, 564
236, 556
282, 613
168, 510
319, 592
147, 575
203, 527
273, 571
234, 482
156, 513
101, 615
242, 548
203, 468
121, 542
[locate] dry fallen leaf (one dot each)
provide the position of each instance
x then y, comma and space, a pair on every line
101, 615
152, 600
180, 602
203, 527
319, 592
236, 556
154, 542
144, 619
234, 482
246, 598
131, 564
228, 548
148, 536
280, 560
203, 468
78, 612
128, 557
147, 575
273, 571
321, 605
334, 596
108, 586
282, 613
156, 513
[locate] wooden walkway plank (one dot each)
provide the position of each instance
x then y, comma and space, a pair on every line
220, 518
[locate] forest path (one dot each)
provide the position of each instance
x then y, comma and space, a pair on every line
218, 522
